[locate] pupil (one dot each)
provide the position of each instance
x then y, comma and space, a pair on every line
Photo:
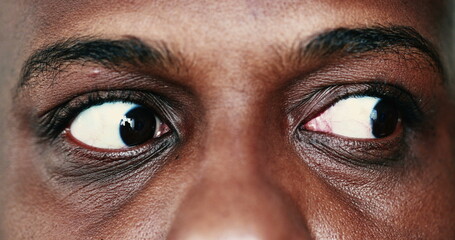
384, 118
137, 126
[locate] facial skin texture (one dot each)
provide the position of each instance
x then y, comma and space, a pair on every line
235, 84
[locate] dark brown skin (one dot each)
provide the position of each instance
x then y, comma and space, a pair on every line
238, 164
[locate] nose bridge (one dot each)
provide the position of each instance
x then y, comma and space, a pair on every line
231, 137
233, 199
234, 146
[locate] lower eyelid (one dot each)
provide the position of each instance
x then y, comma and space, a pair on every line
80, 164
352, 152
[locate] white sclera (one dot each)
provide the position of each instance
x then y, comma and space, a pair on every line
99, 126
350, 117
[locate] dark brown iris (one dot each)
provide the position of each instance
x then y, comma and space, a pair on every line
384, 118
137, 126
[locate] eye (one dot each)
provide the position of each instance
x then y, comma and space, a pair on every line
116, 125
358, 117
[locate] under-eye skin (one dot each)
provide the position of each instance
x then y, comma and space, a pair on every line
361, 124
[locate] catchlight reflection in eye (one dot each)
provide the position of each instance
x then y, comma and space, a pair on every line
358, 117
116, 125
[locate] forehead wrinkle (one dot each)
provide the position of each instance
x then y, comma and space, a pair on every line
54, 11
52, 20
52, 16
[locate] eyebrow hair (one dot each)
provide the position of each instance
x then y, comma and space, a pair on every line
348, 41
130, 51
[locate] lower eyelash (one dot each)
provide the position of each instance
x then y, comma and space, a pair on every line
353, 152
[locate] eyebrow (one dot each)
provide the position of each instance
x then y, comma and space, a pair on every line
132, 51
402, 40
113, 54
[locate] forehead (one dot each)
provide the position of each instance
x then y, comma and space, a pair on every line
215, 21
222, 38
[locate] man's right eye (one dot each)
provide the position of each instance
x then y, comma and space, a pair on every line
116, 125
109, 134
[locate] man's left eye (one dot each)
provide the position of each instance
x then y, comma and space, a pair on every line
362, 117
116, 125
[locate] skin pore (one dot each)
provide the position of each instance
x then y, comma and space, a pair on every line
235, 82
